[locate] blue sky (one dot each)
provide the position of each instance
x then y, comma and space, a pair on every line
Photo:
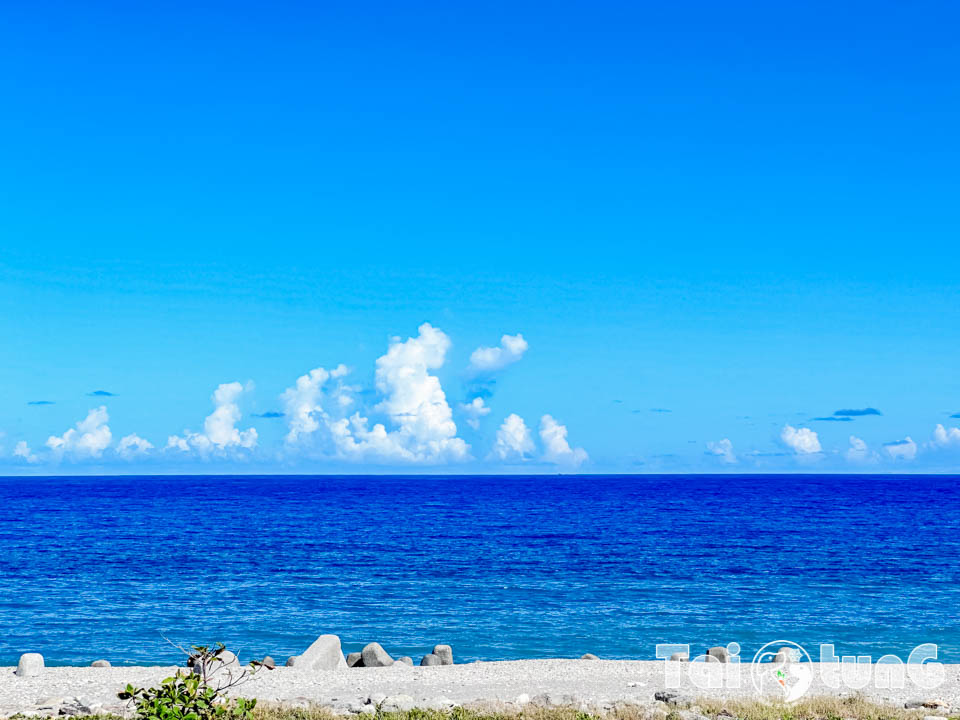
710, 224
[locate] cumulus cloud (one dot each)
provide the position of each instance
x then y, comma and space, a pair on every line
22, 450
474, 410
413, 401
802, 441
491, 359
219, 429
858, 451
89, 439
131, 446
514, 440
905, 449
722, 449
946, 437
303, 403
556, 449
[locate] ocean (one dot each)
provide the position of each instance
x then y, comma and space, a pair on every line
500, 567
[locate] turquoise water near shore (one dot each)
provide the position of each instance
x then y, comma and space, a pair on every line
500, 567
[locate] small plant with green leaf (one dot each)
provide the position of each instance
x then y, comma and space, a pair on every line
198, 694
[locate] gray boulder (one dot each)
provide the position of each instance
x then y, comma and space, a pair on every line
49, 704
269, 663
589, 656
100, 663
445, 653
373, 655
30, 665
430, 659
323, 654
228, 658
355, 659
548, 700
406, 660
672, 698
720, 653
226, 661
294, 661
79, 706
929, 704
784, 655
680, 657
398, 703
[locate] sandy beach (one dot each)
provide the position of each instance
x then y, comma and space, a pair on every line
597, 685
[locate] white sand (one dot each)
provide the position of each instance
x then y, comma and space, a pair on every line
596, 684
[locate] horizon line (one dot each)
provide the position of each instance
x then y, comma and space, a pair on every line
459, 475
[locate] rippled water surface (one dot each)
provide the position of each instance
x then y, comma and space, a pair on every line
499, 567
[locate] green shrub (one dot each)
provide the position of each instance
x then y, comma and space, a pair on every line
199, 694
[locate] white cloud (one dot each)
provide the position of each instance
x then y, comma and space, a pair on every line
22, 450
723, 449
413, 400
90, 438
858, 451
556, 449
802, 441
905, 449
474, 410
175, 442
946, 437
514, 440
490, 359
219, 429
303, 401
133, 445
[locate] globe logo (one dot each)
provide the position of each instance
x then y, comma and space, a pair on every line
782, 667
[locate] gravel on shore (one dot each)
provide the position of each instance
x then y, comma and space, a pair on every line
591, 684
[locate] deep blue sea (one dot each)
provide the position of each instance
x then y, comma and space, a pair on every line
499, 567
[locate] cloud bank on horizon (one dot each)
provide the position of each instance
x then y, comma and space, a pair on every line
410, 422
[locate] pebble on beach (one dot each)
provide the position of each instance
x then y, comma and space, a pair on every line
30, 665
398, 703
672, 698
100, 663
589, 656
